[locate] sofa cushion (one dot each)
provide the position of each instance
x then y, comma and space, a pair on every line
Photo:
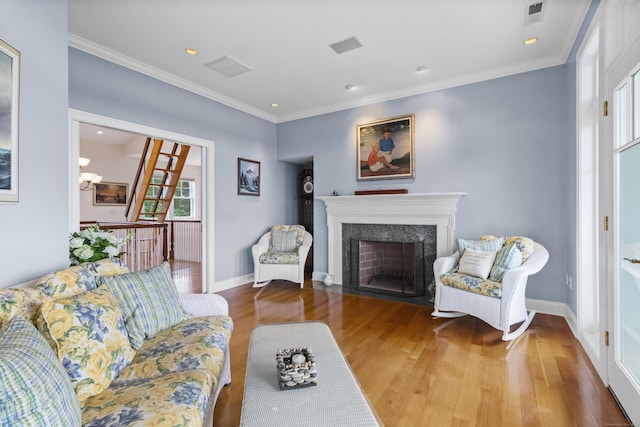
493, 244
19, 301
90, 338
197, 343
106, 267
69, 282
507, 258
34, 388
476, 263
148, 300
176, 399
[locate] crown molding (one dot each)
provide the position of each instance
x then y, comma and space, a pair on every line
148, 70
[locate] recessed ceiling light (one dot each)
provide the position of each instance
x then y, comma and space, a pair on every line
422, 69
100, 132
274, 105
531, 40
191, 51
349, 87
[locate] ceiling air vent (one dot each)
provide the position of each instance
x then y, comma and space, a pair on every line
533, 13
345, 45
227, 66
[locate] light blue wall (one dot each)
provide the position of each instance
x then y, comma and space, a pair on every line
104, 88
504, 142
34, 232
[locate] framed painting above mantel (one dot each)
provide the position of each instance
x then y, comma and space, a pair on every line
9, 90
385, 149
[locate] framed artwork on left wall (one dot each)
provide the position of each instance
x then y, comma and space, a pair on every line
248, 177
9, 91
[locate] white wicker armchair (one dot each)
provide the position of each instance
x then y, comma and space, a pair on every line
502, 312
284, 263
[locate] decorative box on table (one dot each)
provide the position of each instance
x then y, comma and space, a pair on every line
296, 368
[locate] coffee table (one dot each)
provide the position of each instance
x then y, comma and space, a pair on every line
337, 400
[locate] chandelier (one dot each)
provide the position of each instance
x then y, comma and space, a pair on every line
87, 179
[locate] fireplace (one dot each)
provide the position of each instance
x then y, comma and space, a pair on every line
436, 210
388, 259
394, 268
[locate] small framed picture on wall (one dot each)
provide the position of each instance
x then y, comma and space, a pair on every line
110, 194
248, 177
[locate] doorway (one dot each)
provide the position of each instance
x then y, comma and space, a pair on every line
78, 119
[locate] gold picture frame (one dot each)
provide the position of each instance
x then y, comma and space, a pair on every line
385, 148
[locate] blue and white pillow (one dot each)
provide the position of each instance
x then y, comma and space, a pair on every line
481, 245
148, 301
507, 258
35, 390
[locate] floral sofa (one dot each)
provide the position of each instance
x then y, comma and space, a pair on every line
97, 345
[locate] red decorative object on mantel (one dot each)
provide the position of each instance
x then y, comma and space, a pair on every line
372, 192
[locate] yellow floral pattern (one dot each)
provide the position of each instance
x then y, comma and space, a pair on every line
524, 244
106, 267
66, 283
197, 343
175, 399
19, 301
89, 339
472, 284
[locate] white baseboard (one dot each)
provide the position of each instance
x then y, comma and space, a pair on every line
234, 282
555, 309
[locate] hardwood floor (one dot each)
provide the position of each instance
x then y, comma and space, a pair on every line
419, 371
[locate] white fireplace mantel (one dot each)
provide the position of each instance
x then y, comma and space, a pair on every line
437, 209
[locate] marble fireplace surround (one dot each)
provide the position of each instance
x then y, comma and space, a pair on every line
437, 209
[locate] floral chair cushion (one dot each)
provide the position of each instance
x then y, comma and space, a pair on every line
279, 258
472, 284
19, 301
176, 399
34, 388
90, 339
66, 283
149, 301
198, 343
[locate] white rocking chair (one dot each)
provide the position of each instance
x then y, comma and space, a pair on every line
502, 312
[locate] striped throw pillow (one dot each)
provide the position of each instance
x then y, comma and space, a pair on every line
35, 390
507, 258
148, 300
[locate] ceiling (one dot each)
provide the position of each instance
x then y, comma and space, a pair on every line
286, 46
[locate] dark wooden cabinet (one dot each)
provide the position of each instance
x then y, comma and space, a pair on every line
305, 209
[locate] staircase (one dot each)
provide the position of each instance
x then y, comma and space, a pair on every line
163, 164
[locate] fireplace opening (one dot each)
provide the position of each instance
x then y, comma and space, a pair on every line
388, 267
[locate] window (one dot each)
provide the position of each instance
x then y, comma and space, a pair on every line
183, 201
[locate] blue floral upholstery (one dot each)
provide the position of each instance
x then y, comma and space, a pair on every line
175, 399
472, 284
279, 258
512, 252
198, 343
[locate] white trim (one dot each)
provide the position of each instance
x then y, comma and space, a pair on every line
234, 282
208, 185
146, 69
158, 74
408, 209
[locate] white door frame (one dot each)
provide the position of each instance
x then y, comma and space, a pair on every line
208, 220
